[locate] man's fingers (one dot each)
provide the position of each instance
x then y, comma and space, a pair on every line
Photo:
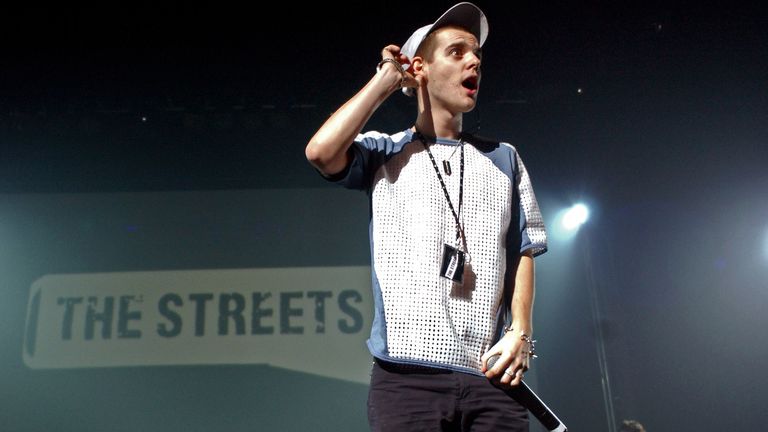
518, 378
512, 377
392, 51
496, 364
508, 370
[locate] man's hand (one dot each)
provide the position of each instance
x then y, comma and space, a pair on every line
514, 359
393, 52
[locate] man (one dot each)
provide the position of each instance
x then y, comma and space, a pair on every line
454, 229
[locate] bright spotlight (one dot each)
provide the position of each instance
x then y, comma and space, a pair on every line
575, 217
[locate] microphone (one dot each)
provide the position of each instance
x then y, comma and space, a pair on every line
532, 403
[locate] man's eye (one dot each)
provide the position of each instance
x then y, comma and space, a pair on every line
455, 51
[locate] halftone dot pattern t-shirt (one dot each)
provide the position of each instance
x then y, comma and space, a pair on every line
422, 317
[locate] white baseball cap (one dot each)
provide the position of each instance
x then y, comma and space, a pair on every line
465, 15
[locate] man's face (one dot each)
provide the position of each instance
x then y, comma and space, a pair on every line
453, 74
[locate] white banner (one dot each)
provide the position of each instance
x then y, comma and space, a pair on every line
308, 319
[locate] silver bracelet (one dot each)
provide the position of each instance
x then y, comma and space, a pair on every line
397, 65
531, 348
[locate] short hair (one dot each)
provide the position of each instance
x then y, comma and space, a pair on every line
427, 47
631, 426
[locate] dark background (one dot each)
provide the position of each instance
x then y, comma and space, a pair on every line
654, 114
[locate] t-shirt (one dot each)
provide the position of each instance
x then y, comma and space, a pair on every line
420, 317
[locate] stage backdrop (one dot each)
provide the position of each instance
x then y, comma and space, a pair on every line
184, 311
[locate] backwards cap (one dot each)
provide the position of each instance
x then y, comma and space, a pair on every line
464, 15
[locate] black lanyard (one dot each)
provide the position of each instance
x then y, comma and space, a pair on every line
459, 228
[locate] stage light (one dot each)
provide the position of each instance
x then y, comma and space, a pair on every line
566, 222
575, 217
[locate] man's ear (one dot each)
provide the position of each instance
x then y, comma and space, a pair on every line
417, 63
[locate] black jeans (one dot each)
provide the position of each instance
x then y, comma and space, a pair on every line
415, 398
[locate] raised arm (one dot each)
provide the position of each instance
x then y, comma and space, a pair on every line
328, 148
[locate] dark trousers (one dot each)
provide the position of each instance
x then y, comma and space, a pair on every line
410, 398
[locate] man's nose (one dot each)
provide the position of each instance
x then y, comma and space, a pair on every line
474, 61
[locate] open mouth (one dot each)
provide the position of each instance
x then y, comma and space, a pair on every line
470, 83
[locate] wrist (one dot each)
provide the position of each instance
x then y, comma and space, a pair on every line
521, 328
392, 71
